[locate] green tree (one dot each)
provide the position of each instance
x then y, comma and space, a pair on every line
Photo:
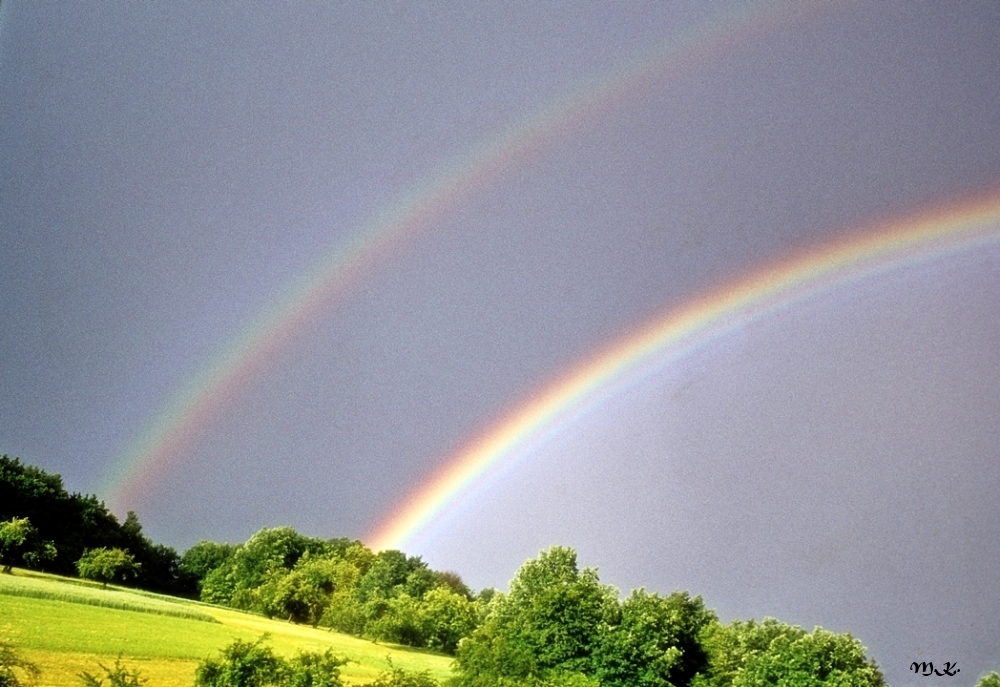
391, 573
654, 642
14, 670
344, 613
19, 543
107, 565
547, 625
447, 617
313, 669
747, 654
203, 558
70, 522
991, 680
294, 596
268, 554
400, 621
14, 536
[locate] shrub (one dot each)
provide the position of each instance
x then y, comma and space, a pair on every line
397, 677
14, 670
254, 664
117, 676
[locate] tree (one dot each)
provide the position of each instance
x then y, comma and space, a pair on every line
746, 654
269, 552
447, 616
991, 680
19, 543
393, 572
294, 596
69, 524
547, 626
654, 642
203, 558
14, 536
107, 565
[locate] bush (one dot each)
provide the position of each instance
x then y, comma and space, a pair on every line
397, 677
254, 664
991, 680
14, 670
118, 676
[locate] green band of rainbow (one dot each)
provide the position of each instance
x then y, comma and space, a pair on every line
678, 332
168, 440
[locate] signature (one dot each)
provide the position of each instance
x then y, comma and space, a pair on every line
928, 668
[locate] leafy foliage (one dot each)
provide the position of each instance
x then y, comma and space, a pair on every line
238, 580
18, 544
68, 524
107, 565
397, 677
991, 680
203, 558
744, 654
548, 624
339, 584
117, 675
654, 642
254, 664
558, 626
14, 670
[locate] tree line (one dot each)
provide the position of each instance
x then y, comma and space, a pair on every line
557, 625
339, 584
62, 527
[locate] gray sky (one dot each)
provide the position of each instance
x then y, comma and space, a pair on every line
166, 170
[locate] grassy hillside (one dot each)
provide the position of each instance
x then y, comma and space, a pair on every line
66, 626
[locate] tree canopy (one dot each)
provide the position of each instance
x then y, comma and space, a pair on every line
747, 653
560, 625
107, 565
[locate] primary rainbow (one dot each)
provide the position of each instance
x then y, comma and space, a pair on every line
180, 424
678, 332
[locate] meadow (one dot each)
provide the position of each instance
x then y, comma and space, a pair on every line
66, 626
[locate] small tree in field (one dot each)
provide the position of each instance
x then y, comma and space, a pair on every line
106, 565
14, 536
19, 543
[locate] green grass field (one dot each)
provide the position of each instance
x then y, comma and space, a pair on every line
66, 626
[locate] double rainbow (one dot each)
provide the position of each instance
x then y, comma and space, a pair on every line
180, 424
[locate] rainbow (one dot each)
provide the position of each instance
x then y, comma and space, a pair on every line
921, 237
183, 421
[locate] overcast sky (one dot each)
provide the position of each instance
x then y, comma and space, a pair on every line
168, 169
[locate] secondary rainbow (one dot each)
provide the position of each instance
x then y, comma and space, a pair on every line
181, 423
678, 332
